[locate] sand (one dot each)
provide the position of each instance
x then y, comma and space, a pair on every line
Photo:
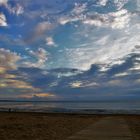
134, 125
43, 126
37, 126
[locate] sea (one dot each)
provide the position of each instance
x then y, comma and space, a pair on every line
85, 107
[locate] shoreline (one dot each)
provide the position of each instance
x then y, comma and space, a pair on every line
74, 111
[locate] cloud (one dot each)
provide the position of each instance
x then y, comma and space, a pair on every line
94, 47
109, 48
102, 2
17, 10
137, 81
41, 56
76, 14
39, 30
115, 20
42, 27
105, 46
138, 4
17, 84
3, 2
8, 59
76, 84
67, 19
120, 3
121, 19
64, 72
115, 83
79, 8
83, 84
121, 74
50, 41
3, 20
11, 82
16, 87
38, 96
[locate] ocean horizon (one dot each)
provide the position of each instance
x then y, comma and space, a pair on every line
90, 107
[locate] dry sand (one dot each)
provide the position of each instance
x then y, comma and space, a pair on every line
134, 125
37, 126
42, 126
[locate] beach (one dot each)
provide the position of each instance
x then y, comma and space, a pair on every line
53, 126
41, 126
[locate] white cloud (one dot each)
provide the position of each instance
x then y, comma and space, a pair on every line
121, 19
53, 84
3, 2
102, 2
103, 41
38, 31
67, 74
121, 74
42, 26
3, 21
8, 59
106, 50
120, 3
118, 33
79, 8
76, 84
136, 67
115, 20
17, 10
138, 4
67, 19
76, 14
50, 41
94, 22
80, 84
41, 56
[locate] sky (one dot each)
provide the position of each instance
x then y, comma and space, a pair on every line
70, 49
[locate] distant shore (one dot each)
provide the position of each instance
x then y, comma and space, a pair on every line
83, 107
53, 126
73, 111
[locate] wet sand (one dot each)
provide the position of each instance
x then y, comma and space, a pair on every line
43, 126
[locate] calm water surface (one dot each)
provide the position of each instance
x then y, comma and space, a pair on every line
127, 105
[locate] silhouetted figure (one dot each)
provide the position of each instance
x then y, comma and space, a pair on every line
10, 110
